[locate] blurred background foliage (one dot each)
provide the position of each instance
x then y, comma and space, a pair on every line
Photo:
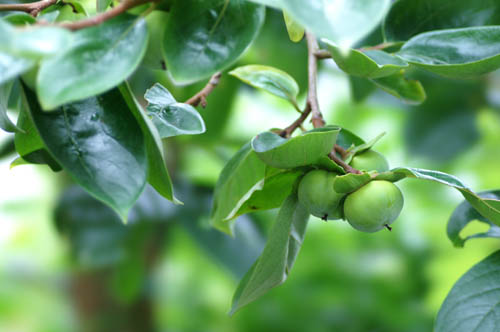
68, 264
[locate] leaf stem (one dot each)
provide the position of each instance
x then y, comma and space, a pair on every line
201, 96
32, 8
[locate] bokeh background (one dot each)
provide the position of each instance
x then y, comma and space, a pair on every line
68, 264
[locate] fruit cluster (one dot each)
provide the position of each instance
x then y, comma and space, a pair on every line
370, 208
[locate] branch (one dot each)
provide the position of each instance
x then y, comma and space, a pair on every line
343, 164
32, 8
312, 92
98, 19
322, 54
201, 97
288, 131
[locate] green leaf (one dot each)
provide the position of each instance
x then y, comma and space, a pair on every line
342, 22
29, 144
347, 139
303, 150
19, 18
360, 148
455, 53
274, 265
170, 117
158, 175
102, 5
366, 63
34, 42
101, 57
99, 143
277, 187
240, 178
295, 30
409, 91
473, 302
270, 3
5, 122
270, 79
350, 182
206, 36
464, 214
488, 208
13, 66
408, 18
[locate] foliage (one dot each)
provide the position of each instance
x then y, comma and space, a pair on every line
67, 80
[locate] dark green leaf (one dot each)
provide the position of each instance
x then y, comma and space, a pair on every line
12, 66
270, 79
158, 175
170, 117
408, 18
274, 265
205, 36
270, 3
19, 18
100, 58
342, 22
357, 149
409, 91
455, 53
303, 150
473, 303
366, 63
347, 139
464, 214
100, 144
240, 178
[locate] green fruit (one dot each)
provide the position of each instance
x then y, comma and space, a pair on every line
370, 160
374, 206
317, 195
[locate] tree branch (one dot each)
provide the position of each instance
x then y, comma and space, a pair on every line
322, 54
32, 8
343, 164
98, 19
201, 97
312, 92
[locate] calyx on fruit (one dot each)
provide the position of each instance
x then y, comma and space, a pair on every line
370, 160
373, 206
316, 193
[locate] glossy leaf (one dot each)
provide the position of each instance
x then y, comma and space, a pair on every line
408, 18
206, 36
303, 150
33, 42
455, 53
277, 187
295, 30
274, 265
5, 122
270, 3
409, 91
100, 144
347, 139
472, 304
366, 63
170, 117
488, 208
464, 214
100, 58
13, 66
342, 22
19, 18
240, 178
270, 79
357, 149
158, 175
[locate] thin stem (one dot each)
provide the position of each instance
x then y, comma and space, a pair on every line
343, 153
98, 19
32, 8
343, 164
201, 97
288, 131
312, 93
322, 54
